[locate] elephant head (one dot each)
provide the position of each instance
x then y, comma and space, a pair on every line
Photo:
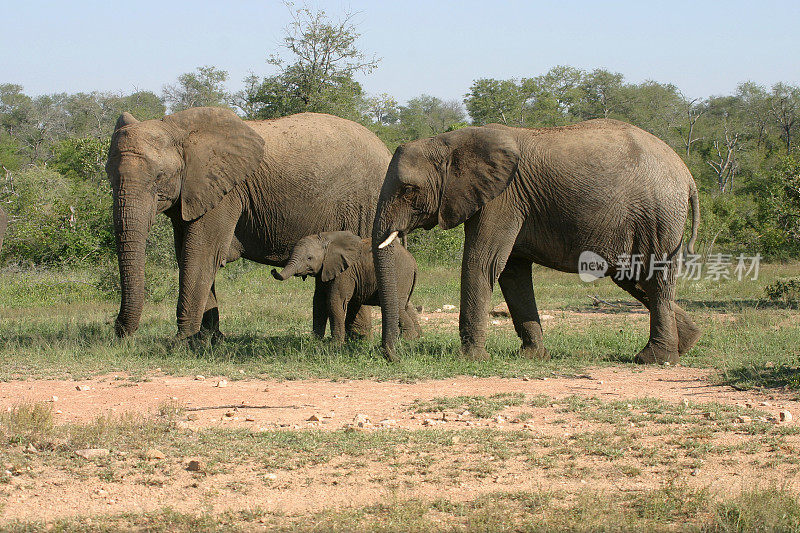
183, 164
325, 255
442, 180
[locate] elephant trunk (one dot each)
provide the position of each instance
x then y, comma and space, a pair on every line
132, 219
386, 272
287, 272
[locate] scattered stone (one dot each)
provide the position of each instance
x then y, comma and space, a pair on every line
785, 416
428, 422
420, 309
495, 322
748, 405
92, 453
528, 425
601, 382
249, 419
361, 420
54, 399
516, 420
709, 415
222, 383
313, 418
525, 378
387, 422
155, 454
229, 414
744, 419
271, 476
499, 420
82, 388
194, 466
448, 307
192, 417
695, 471
329, 415
438, 310
30, 448
546, 317
58, 411
199, 377
500, 309
765, 404
686, 402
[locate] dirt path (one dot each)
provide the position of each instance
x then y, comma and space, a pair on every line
272, 403
553, 441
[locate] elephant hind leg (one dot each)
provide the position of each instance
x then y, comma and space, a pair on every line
688, 331
658, 296
409, 325
517, 285
356, 326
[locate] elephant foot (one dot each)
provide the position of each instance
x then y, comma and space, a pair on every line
688, 333
390, 354
653, 354
475, 353
534, 351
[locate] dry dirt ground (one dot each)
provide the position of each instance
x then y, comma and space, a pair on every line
563, 433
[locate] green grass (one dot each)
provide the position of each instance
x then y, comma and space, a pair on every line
58, 324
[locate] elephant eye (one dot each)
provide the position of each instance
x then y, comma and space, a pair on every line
409, 190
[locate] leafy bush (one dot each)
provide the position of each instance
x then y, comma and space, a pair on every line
786, 291
437, 246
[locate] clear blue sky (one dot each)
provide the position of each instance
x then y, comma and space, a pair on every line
426, 46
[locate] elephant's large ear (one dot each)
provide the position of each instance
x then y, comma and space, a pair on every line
342, 251
220, 151
482, 163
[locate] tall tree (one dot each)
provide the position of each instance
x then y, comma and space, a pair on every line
785, 101
206, 87
318, 74
427, 115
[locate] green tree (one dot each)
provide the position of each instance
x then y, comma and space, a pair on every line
785, 100
427, 115
318, 74
206, 87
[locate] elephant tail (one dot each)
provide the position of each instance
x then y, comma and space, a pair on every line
695, 203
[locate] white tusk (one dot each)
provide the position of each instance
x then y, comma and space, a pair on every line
392, 236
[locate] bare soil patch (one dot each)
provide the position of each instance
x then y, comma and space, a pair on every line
565, 433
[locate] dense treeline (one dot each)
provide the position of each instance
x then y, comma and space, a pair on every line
739, 147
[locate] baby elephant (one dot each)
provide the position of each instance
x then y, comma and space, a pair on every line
342, 264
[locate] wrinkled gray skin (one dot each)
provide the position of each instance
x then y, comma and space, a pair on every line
342, 265
542, 196
3, 226
234, 189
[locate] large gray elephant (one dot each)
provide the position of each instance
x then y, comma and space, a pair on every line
234, 189
544, 196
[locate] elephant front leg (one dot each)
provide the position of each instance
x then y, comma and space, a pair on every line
320, 311
488, 239
337, 309
517, 286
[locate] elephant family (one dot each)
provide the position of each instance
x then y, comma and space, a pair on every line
234, 189
3, 226
344, 271
544, 196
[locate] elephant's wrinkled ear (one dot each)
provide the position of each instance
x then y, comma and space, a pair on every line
220, 150
482, 163
125, 119
342, 251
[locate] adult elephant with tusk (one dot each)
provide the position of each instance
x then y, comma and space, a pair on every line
234, 189
544, 196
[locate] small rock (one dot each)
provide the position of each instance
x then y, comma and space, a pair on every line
222, 383
686, 402
438, 310
428, 422
516, 420
313, 418
352, 429
500, 309
525, 378
695, 471
192, 417
769, 364
271, 476
748, 405
54, 399
744, 419
229, 414
495, 322
58, 411
528, 425
709, 415
30, 448
82, 388
249, 419
361, 420
420, 309
199, 377
329, 415
601, 382
388, 422
194, 466
153, 453
785, 416
448, 307
499, 420
92, 453
765, 404
546, 317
